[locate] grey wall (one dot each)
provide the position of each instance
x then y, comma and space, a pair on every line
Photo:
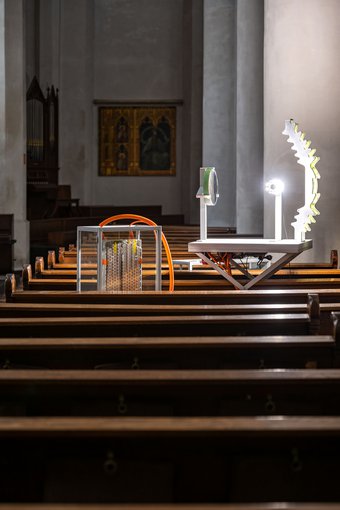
194, 51
192, 107
138, 55
30, 40
13, 123
219, 99
302, 81
76, 95
249, 117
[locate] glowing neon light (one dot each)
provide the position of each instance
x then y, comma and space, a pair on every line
306, 157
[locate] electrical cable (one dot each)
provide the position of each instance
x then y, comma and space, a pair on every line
147, 221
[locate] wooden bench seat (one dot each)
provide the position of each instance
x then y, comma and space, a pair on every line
162, 459
253, 296
201, 273
296, 295
111, 310
214, 282
174, 506
170, 352
170, 392
191, 325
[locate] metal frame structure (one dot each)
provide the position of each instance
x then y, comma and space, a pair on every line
232, 248
118, 228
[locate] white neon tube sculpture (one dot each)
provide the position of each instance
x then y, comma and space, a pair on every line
275, 187
306, 157
208, 195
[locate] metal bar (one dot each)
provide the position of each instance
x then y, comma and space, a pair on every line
242, 269
99, 259
225, 275
78, 261
158, 281
273, 268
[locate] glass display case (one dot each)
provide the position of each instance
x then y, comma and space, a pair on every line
119, 258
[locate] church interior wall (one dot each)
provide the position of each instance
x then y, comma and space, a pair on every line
159, 49
302, 81
138, 57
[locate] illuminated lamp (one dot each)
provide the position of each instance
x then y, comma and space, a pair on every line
275, 187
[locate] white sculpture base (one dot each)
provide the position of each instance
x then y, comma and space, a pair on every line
289, 248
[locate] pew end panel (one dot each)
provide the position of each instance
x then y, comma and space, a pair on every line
10, 287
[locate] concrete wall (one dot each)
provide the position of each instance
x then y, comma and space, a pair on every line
30, 40
249, 117
110, 50
192, 107
219, 99
76, 95
302, 81
13, 123
138, 48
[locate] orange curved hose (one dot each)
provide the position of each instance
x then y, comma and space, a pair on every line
147, 221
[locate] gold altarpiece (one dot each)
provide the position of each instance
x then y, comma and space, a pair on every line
135, 140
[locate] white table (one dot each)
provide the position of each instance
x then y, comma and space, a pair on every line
288, 248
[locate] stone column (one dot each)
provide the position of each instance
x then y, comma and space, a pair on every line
249, 114
302, 81
76, 96
219, 95
13, 124
192, 107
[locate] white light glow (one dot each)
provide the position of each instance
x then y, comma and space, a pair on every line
274, 187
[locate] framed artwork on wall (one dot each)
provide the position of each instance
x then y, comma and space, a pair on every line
136, 140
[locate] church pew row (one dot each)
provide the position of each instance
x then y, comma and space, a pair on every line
253, 296
235, 302
170, 392
199, 280
111, 310
69, 270
170, 459
174, 506
179, 250
158, 325
61, 264
312, 307
202, 271
165, 352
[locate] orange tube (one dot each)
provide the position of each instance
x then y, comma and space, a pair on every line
147, 221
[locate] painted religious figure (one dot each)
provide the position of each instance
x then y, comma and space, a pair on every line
136, 140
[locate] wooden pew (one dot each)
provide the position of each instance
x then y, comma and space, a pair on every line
188, 325
111, 310
207, 279
202, 272
250, 352
170, 392
162, 459
178, 244
253, 296
53, 264
174, 506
